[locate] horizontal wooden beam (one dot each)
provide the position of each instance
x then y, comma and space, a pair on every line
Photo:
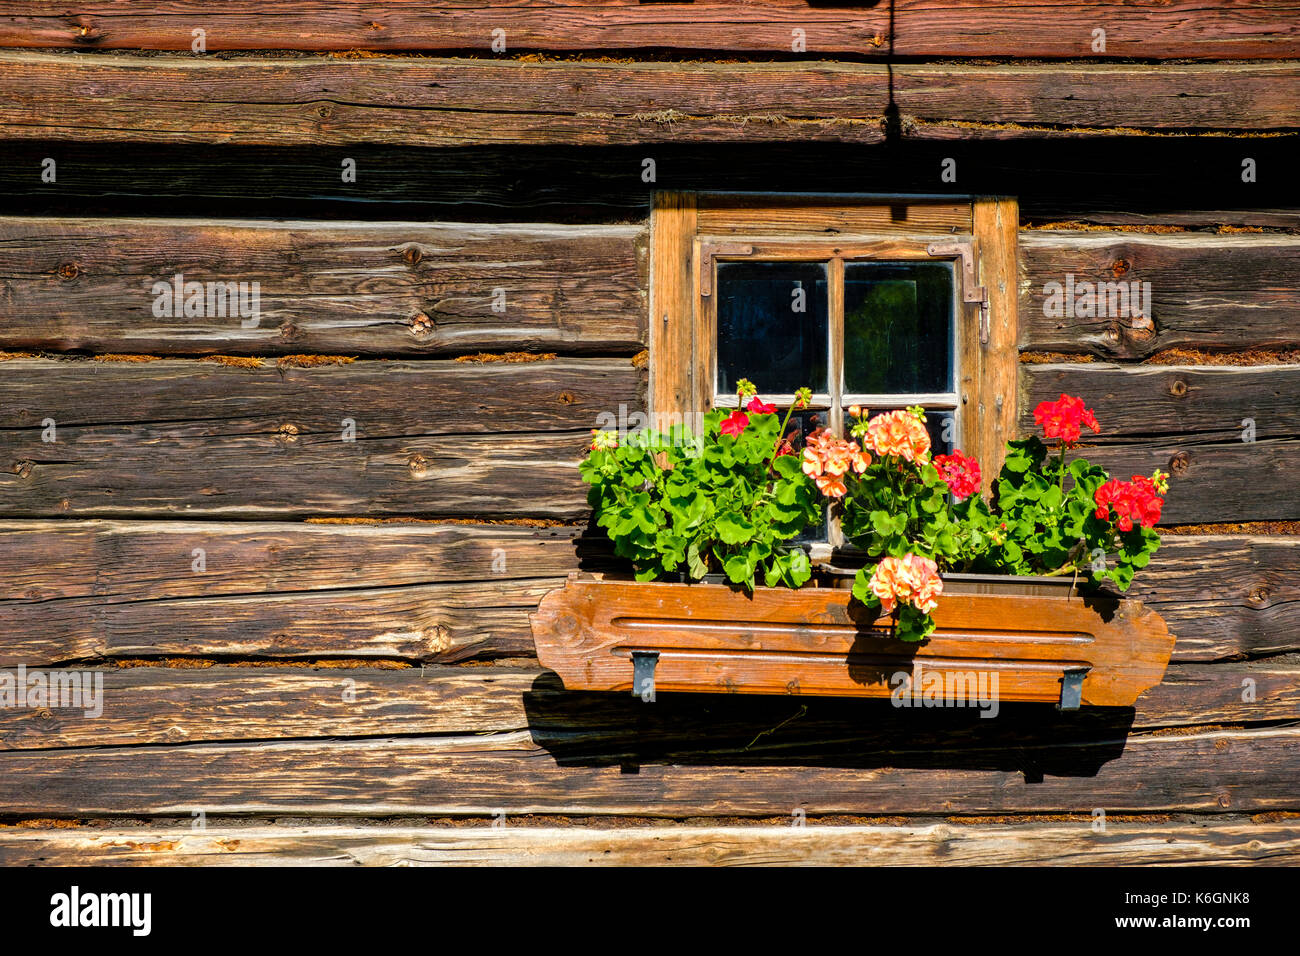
171, 705
1198, 291
1203, 771
940, 844
188, 437
358, 288
439, 102
1062, 28
79, 589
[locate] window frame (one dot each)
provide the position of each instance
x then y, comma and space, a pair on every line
690, 232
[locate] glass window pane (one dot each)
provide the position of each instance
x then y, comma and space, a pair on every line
772, 326
898, 325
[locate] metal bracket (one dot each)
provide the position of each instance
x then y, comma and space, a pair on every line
971, 293
1072, 688
710, 249
643, 674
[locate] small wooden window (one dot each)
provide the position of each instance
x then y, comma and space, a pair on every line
882, 303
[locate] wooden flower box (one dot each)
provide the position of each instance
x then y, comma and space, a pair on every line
1048, 645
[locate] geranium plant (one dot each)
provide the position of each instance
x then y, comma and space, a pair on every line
729, 500
917, 515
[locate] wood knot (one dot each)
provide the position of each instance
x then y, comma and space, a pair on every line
418, 465
1224, 800
1258, 595
1178, 388
288, 432
43, 714
289, 332
23, 468
1179, 464
421, 324
69, 271
1119, 267
412, 254
566, 398
325, 111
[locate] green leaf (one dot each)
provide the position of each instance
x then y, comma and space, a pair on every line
734, 528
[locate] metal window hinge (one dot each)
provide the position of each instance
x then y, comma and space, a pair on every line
710, 249
1072, 688
971, 292
643, 674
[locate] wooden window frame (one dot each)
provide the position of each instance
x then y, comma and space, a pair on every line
690, 232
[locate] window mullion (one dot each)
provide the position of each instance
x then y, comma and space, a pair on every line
835, 367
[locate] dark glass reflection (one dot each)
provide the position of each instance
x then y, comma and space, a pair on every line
772, 325
898, 327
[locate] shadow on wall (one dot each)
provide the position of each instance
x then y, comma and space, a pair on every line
582, 729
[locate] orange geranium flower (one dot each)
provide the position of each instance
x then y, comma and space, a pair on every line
911, 579
898, 433
827, 459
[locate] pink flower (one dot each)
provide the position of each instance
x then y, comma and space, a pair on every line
759, 407
734, 423
827, 459
898, 433
911, 579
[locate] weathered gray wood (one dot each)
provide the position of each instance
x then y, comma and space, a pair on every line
434, 622
1223, 482
436, 102
1196, 404
1223, 596
1232, 29
1202, 843
189, 437
169, 705
1206, 291
1212, 771
116, 561
358, 288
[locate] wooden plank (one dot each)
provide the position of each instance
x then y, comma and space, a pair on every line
359, 288
940, 844
1224, 596
672, 298
433, 102
120, 561
816, 641
1228, 482
1194, 403
187, 437
819, 216
1211, 771
170, 705
990, 399
433, 622
1206, 291
1061, 28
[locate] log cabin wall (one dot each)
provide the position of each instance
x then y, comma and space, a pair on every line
302, 552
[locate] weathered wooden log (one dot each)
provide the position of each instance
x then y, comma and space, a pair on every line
187, 437
939, 844
710, 638
1231, 29
1208, 771
359, 288
171, 705
432, 102
1205, 292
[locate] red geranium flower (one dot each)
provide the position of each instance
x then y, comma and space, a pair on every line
1064, 418
1132, 501
759, 407
734, 423
960, 473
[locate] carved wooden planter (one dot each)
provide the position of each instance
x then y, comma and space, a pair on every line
615, 635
